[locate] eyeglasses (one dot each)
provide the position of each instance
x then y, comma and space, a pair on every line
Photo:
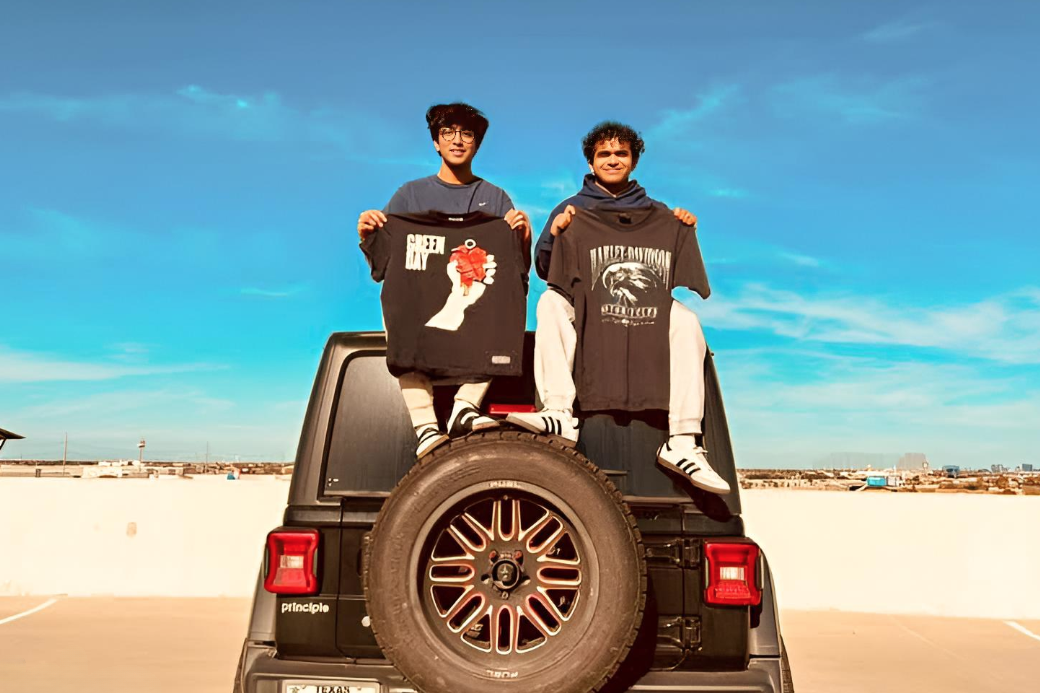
448, 135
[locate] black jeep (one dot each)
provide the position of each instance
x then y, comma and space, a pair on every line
503, 561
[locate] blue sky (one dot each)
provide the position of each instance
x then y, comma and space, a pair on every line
181, 181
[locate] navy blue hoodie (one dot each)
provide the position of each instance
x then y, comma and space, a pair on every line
591, 195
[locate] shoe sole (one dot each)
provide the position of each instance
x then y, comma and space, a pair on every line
433, 446
704, 487
476, 428
534, 429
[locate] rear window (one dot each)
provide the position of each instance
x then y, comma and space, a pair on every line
372, 445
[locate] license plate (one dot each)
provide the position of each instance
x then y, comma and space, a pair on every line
331, 688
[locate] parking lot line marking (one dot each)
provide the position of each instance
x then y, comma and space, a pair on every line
30, 612
1023, 630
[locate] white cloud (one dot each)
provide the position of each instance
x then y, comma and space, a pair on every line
731, 193
177, 422
44, 231
113, 407
761, 257
1003, 328
198, 112
675, 122
132, 348
855, 100
899, 30
283, 292
802, 260
33, 367
796, 406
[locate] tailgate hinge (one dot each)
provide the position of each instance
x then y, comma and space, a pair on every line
691, 553
681, 633
681, 553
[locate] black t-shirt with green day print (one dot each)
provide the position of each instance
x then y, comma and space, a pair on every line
454, 300
618, 268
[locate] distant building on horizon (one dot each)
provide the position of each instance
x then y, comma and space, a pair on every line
1027, 467
857, 460
913, 461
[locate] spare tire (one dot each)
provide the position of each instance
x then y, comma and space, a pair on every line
506, 562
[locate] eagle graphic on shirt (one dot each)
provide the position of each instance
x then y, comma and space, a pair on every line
634, 279
628, 282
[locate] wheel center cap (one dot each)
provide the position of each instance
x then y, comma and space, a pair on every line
506, 574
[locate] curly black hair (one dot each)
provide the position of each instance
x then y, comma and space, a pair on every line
465, 116
612, 130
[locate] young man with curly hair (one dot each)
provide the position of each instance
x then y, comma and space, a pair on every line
612, 151
457, 130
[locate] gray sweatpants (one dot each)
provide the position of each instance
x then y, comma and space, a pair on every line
556, 340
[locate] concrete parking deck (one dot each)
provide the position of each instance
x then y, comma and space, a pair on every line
109, 645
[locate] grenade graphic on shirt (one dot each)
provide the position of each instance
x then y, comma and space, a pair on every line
470, 261
471, 270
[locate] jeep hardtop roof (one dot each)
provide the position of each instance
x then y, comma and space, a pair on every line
357, 440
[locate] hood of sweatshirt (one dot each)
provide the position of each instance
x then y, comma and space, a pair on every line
592, 195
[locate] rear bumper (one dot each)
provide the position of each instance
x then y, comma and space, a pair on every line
762, 676
260, 672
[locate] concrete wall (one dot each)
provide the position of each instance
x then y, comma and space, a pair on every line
944, 554
136, 537
909, 553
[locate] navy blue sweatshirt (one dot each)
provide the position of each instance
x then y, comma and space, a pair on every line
590, 195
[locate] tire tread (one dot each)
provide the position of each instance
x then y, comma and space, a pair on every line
580, 460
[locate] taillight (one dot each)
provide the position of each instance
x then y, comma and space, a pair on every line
732, 574
292, 561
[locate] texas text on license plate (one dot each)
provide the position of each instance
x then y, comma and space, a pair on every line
357, 687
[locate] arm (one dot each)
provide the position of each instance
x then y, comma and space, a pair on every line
543, 250
374, 219
687, 218
399, 203
520, 222
681, 214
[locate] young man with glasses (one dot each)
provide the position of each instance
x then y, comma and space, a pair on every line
612, 151
457, 129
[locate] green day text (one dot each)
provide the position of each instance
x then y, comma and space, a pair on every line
419, 248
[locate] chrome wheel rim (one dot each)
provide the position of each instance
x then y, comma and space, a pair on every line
502, 575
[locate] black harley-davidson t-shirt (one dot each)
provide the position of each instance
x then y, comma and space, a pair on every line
619, 267
453, 297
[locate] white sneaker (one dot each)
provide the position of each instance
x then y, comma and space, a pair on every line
429, 438
692, 462
551, 422
465, 419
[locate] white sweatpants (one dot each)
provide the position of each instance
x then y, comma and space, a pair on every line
417, 389
556, 340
